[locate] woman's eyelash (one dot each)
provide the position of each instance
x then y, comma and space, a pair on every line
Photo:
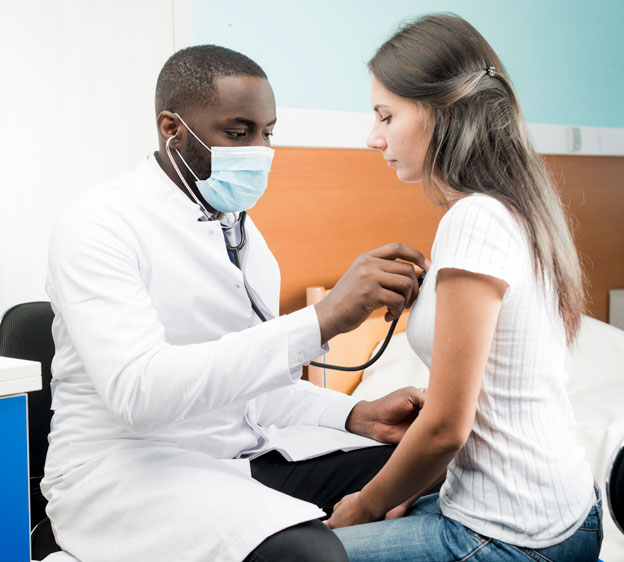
386, 118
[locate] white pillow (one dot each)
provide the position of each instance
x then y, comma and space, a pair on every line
595, 368
399, 366
595, 385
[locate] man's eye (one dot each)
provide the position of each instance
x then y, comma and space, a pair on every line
268, 134
236, 134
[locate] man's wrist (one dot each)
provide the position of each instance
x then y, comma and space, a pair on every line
359, 420
324, 322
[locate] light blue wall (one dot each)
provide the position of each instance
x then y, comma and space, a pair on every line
565, 57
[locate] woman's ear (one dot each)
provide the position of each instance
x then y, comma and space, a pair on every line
168, 125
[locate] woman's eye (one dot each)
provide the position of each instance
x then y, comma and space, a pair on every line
386, 119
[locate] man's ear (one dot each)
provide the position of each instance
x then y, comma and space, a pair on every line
169, 126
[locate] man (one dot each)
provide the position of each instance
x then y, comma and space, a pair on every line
171, 396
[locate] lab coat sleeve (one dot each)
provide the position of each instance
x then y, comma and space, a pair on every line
306, 404
95, 285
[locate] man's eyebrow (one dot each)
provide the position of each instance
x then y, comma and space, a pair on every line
248, 122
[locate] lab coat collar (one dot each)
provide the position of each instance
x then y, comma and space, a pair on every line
159, 180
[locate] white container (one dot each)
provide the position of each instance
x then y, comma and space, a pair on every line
18, 376
616, 308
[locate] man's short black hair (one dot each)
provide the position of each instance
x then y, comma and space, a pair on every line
188, 78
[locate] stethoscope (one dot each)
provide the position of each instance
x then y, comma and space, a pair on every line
234, 253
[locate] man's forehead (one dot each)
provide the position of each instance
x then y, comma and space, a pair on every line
247, 97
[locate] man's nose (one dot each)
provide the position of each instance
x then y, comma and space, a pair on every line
259, 139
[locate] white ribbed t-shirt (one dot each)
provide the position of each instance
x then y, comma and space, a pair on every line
521, 477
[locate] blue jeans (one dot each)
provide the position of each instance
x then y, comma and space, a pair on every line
424, 534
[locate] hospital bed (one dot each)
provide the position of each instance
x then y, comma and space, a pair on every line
595, 385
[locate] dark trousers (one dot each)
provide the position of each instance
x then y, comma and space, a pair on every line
323, 481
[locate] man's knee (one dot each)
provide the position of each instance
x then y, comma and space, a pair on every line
307, 542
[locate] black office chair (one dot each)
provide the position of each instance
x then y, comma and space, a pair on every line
25, 333
615, 486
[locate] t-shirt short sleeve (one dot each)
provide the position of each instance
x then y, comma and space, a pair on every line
479, 234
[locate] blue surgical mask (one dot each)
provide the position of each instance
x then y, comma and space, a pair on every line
238, 175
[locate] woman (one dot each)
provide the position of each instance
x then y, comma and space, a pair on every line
502, 299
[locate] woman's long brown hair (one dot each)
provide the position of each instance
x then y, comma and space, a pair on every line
480, 142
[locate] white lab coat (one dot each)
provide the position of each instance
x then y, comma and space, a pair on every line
165, 384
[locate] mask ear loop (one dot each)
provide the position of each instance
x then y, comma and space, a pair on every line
208, 215
192, 133
186, 164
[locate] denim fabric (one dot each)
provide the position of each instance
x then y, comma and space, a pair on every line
424, 534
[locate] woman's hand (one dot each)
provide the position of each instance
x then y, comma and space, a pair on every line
400, 510
350, 511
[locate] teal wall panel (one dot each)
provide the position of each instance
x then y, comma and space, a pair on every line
565, 57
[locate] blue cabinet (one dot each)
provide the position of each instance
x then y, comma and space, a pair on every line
14, 513
16, 378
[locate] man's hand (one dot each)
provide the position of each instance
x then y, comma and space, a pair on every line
387, 418
374, 280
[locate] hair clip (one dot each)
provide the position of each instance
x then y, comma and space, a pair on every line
490, 70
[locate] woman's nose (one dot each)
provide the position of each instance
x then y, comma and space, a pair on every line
375, 140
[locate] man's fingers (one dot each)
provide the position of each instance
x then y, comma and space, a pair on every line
374, 280
406, 287
394, 301
402, 269
409, 271
399, 267
396, 250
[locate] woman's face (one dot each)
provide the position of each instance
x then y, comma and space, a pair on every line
402, 132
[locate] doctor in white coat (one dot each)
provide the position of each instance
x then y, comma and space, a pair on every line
181, 428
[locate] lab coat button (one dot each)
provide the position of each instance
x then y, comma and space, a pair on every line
300, 357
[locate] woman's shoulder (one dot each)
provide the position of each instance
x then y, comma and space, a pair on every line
480, 203
479, 212
477, 228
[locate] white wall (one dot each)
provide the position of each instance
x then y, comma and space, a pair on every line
77, 89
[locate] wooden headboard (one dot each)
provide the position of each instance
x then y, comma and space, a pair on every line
323, 207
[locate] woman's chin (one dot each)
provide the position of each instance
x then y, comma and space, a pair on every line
408, 177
